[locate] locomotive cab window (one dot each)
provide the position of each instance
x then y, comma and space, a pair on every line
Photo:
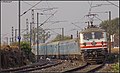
98, 35
87, 36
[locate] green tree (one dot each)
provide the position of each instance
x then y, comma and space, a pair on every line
112, 27
25, 46
60, 38
25, 50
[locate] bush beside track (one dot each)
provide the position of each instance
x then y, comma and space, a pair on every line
11, 57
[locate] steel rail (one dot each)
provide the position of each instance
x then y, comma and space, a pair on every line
96, 69
38, 67
79, 69
23, 67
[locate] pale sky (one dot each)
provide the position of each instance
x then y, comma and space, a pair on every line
67, 11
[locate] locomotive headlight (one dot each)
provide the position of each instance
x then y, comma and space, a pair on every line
94, 43
84, 44
102, 42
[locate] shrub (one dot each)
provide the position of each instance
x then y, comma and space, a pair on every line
115, 67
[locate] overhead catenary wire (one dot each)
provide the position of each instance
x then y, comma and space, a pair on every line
73, 29
112, 3
48, 18
29, 4
99, 19
53, 29
48, 7
100, 12
49, 10
76, 25
78, 22
30, 8
98, 5
54, 32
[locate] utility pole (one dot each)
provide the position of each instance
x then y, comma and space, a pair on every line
109, 40
62, 33
12, 34
71, 36
44, 37
27, 29
78, 41
0, 37
77, 34
7, 40
37, 37
10, 41
30, 34
32, 12
33, 31
19, 37
15, 35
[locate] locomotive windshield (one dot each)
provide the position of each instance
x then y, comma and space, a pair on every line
98, 35
87, 36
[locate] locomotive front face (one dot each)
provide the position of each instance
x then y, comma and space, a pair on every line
93, 40
93, 44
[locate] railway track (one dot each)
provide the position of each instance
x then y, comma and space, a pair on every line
41, 63
66, 64
86, 68
50, 64
32, 67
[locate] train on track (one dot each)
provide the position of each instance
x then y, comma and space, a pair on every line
90, 46
93, 44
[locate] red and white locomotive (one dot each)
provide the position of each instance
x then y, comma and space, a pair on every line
93, 44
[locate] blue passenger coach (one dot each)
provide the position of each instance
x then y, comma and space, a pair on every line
68, 49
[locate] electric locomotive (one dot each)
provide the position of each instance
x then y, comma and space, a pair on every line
93, 44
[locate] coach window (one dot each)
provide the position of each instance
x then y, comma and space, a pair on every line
98, 35
87, 36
